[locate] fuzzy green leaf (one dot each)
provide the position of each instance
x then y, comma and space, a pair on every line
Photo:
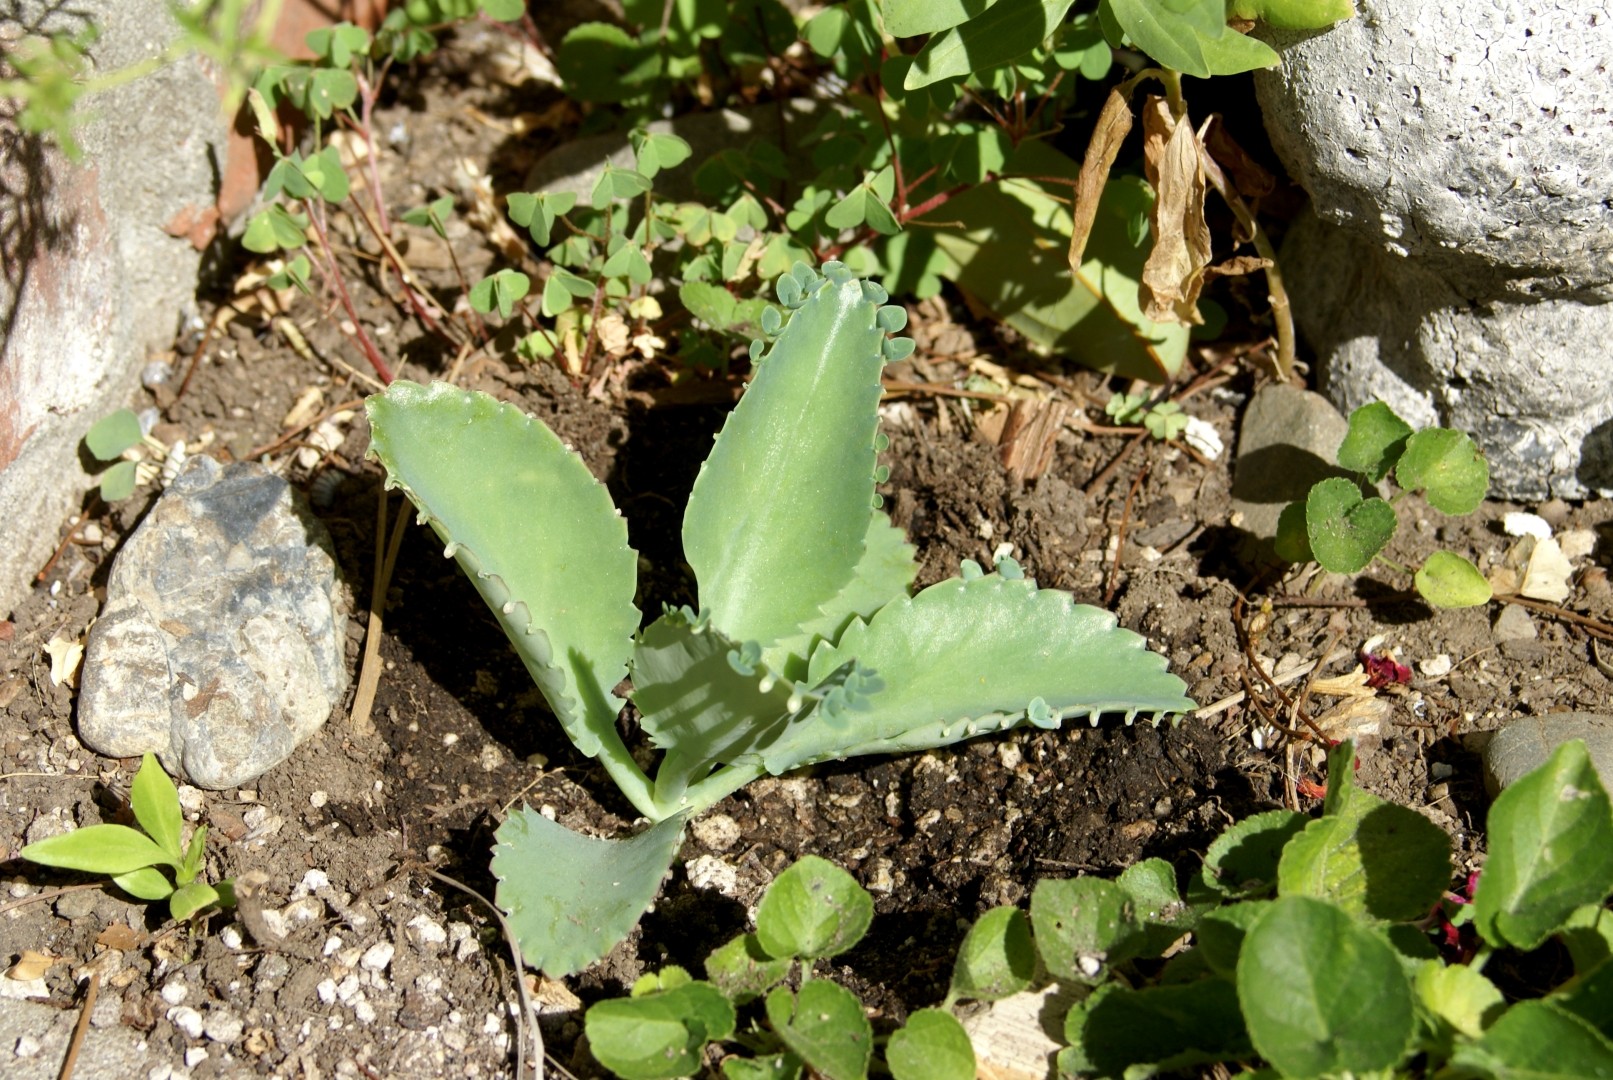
1322, 993
795, 459
968, 657
98, 849
118, 482
742, 970
570, 897
1164, 1028
1083, 926
113, 434
1374, 442
825, 1025
910, 18
535, 532
997, 957
932, 1046
1448, 466
1551, 851
155, 802
812, 910
1243, 860
660, 1035
1449, 580
1536, 1040
1346, 530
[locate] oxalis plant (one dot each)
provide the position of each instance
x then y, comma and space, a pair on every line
806, 645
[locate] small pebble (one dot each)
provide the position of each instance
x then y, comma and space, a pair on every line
1435, 666
427, 931
174, 993
377, 956
76, 905
326, 991
318, 799
188, 1020
224, 1027
1514, 624
231, 937
27, 1046
195, 1056
311, 882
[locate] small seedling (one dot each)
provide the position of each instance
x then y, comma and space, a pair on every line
1165, 421
813, 910
1344, 530
107, 441
806, 645
132, 857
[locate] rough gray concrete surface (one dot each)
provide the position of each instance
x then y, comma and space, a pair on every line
222, 644
1460, 261
89, 279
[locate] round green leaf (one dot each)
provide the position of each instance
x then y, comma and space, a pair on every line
1537, 1040
1292, 543
741, 970
1551, 850
600, 62
1083, 925
1243, 860
997, 957
658, 1035
825, 1026
1373, 859
113, 434
1320, 993
933, 1046
118, 481
1344, 529
1374, 441
1449, 468
1448, 580
813, 909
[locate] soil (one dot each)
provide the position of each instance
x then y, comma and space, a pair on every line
395, 972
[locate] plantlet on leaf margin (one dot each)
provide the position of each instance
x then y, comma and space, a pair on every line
806, 646
132, 857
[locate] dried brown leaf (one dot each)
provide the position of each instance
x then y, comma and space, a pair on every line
1174, 272
1114, 124
31, 965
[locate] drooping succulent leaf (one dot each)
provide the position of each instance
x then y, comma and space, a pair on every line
534, 531
979, 654
570, 897
776, 522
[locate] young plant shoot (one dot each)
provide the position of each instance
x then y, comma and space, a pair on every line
806, 645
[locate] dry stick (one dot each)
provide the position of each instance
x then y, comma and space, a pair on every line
51, 895
269, 448
405, 277
1120, 540
1281, 314
1594, 627
81, 1027
899, 386
1108, 470
520, 981
84, 518
333, 275
369, 676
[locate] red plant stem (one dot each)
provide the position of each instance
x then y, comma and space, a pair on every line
333, 274
366, 131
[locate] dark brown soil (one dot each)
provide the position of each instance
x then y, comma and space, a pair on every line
354, 817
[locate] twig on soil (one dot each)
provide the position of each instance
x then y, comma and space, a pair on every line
51, 895
83, 519
1120, 539
1108, 470
269, 448
299, 344
1594, 627
527, 1011
900, 386
369, 676
82, 1026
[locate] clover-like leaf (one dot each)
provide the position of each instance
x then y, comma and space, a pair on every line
500, 290
111, 435
1448, 467
1346, 530
1374, 442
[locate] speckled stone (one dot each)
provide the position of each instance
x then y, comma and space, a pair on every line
221, 647
1526, 742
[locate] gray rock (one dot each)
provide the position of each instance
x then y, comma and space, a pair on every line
221, 647
1514, 624
92, 281
1525, 743
45, 1030
1289, 441
1459, 264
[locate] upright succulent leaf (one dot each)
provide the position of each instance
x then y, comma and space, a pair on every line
532, 528
776, 521
570, 897
975, 655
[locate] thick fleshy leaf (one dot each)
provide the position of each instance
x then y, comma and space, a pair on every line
968, 657
533, 529
570, 898
776, 522
697, 701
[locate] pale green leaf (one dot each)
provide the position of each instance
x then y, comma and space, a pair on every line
1007, 30
910, 18
98, 849
535, 532
111, 435
155, 803
570, 898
